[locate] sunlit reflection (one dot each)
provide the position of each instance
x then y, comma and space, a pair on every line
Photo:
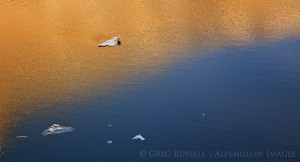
49, 52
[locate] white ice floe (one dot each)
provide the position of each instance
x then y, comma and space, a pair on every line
109, 142
139, 136
109, 125
112, 42
22, 136
203, 114
57, 129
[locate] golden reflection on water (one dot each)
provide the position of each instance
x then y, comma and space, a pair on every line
49, 52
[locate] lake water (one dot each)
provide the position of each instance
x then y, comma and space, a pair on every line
200, 80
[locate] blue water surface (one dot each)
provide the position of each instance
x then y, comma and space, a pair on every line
250, 97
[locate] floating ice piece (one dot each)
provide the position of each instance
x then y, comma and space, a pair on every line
203, 114
139, 136
112, 42
22, 136
109, 125
57, 129
109, 142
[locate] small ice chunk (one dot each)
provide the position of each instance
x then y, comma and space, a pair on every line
22, 136
112, 42
57, 129
203, 114
139, 136
109, 142
109, 125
